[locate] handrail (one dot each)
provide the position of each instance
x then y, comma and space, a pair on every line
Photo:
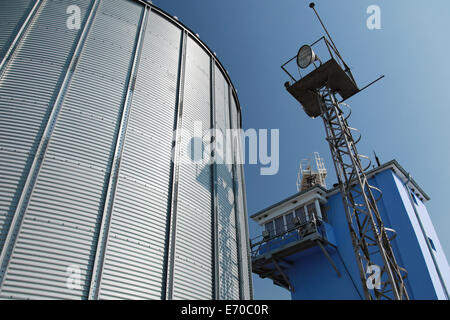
286, 235
336, 56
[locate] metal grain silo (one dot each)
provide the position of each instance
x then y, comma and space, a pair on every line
91, 204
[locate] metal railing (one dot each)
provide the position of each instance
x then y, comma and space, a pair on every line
333, 54
265, 244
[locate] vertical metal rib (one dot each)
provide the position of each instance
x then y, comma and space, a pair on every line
167, 251
19, 36
215, 222
170, 245
235, 196
115, 168
40, 153
244, 205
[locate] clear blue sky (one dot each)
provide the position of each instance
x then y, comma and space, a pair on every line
405, 116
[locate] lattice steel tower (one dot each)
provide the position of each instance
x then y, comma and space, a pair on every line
317, 91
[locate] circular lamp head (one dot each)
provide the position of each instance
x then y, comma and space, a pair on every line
305, 56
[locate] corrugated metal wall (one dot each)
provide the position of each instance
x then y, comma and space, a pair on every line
29, 87
12, 18
136, 241
91, 205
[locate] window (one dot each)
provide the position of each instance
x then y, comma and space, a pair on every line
311, 211
269, 228
289, 220
279, 225
414, 198
300, 213
323, 211
432, 243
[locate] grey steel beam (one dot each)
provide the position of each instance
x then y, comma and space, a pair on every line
327, 255
285, 277
176, 172
244, 198
235, 196
215, 220
281, 260
173, 169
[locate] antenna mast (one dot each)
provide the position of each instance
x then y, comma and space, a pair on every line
308, 177
317, 92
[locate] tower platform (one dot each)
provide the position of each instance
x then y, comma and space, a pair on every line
331, 73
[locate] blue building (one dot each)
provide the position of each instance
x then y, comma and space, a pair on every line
306, 246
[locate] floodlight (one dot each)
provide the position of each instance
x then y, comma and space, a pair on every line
305, 56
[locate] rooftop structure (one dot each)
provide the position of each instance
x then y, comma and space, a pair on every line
308, 176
